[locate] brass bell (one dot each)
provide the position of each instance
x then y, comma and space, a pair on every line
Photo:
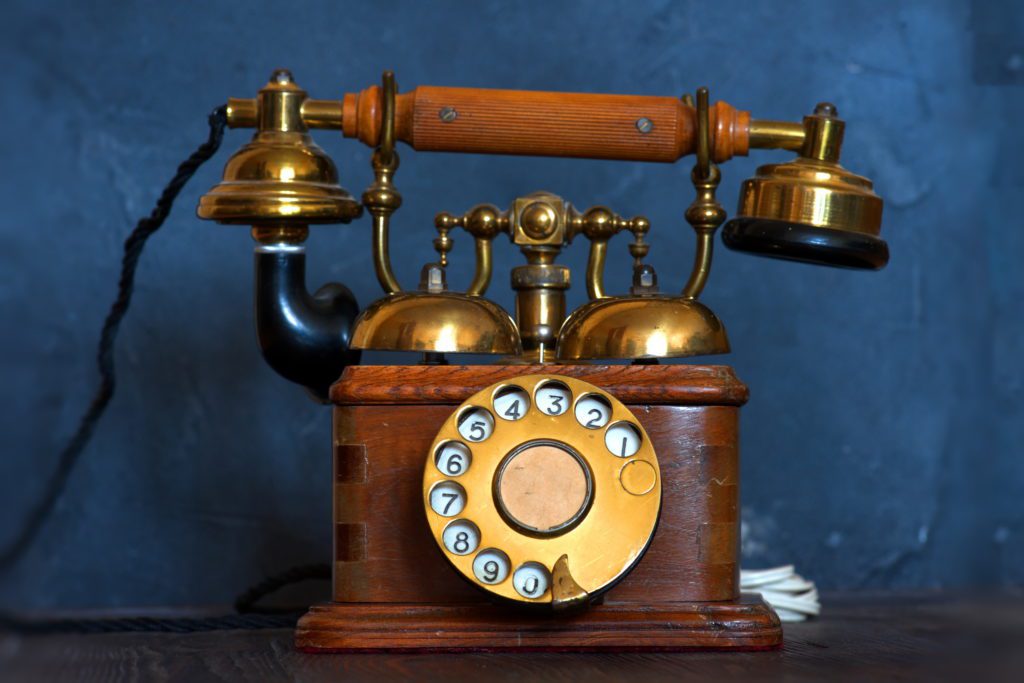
435, 320
281, 177
644, 326
811, 209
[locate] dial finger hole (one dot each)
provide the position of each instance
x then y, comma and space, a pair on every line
553, 398
447, 498
511, 403
476, 424
491, 566
622, 439
461, 537
593, 411
531, 580
453, 458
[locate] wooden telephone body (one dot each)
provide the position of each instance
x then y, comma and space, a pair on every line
393, 589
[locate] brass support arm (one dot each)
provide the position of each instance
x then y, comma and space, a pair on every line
599, 224
484, 222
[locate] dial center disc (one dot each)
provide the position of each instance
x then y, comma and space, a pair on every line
543, 487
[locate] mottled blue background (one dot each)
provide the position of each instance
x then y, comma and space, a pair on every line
881, 446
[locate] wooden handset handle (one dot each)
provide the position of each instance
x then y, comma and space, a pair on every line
532, 123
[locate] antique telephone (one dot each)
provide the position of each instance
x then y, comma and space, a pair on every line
547, 500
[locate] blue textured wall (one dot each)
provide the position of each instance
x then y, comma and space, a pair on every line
882, 444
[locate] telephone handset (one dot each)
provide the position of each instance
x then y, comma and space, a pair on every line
542, 490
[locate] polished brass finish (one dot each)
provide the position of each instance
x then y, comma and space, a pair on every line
766, 134
324, 114
540, 288
705, 214
540, 219
484, 222
381, 198
566, 594
540, 223
824, 134
648, 325
812, 192
442, 322
599, 225
600, 547
641, 327
242, 112
281, 176
814, 189
280, 234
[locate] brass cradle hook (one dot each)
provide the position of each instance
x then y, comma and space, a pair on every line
648, 325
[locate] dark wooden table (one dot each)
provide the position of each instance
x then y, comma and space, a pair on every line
861, 638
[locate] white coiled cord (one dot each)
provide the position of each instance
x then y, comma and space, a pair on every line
793, 597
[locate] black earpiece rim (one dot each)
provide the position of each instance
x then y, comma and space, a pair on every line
805, 243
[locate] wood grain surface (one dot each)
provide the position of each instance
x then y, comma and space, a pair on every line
385, 422
900, 637
535, 123
680, 385
747, 623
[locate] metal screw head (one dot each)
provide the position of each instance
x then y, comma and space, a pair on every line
448, 114
644, 125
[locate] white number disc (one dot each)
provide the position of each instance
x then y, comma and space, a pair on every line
553, 398
447, 499
461, 537
622, 439
512, 403
531, 580
491, 566
593, 412
476, 425
453, 458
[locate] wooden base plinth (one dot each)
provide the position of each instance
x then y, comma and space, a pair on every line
746, 624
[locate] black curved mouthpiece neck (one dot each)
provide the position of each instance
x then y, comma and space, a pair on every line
304, 337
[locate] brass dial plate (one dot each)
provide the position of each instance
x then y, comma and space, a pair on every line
500, 528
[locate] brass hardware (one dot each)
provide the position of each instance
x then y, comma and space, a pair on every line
539, 225
484, 223
599, 225
648, 325
705, 214
431, 320
641, 327
381, 198
542, 224
776, 135
566, 594
281, 177
436, 321
600, 546
811, 209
